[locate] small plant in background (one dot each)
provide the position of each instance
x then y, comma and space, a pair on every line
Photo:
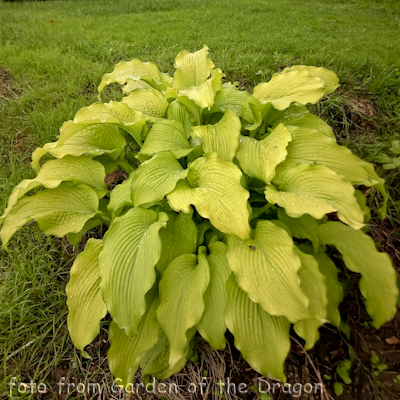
377, 367
343, 372
388, 161
260, 395
338, 388
223, 225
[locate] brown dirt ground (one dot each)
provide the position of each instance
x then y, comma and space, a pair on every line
7, 88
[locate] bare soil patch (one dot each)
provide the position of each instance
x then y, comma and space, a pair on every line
8, 88
115, 178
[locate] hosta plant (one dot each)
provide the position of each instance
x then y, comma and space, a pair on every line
233, 203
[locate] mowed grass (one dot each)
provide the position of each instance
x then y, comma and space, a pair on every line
52, 57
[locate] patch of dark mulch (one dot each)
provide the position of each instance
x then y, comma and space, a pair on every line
115, 178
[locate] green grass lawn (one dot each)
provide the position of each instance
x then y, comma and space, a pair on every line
52, 57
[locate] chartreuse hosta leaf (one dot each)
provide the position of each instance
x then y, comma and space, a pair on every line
57, 211
202, 228
334, 290
242, 103
78, 138
149, 183
268, 256
177, 111
262, 339
149, 102
362, 202
156, 361
315, 190
195, 78
182, 288
121, 195
378, 183
309, 146
304, 227
131, 249
72, 169
290, 87
331, 81
216, 80
197, 152
192, 69
114, 113
259, 158
221, 138
212, 324
213, 187
85, 302
125, 352
132, 85
315, 146
378, 278
194, 111
179, 237
155, 178
134, 70
305, 120
313, 285
167, 135
273, 117
203, 95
